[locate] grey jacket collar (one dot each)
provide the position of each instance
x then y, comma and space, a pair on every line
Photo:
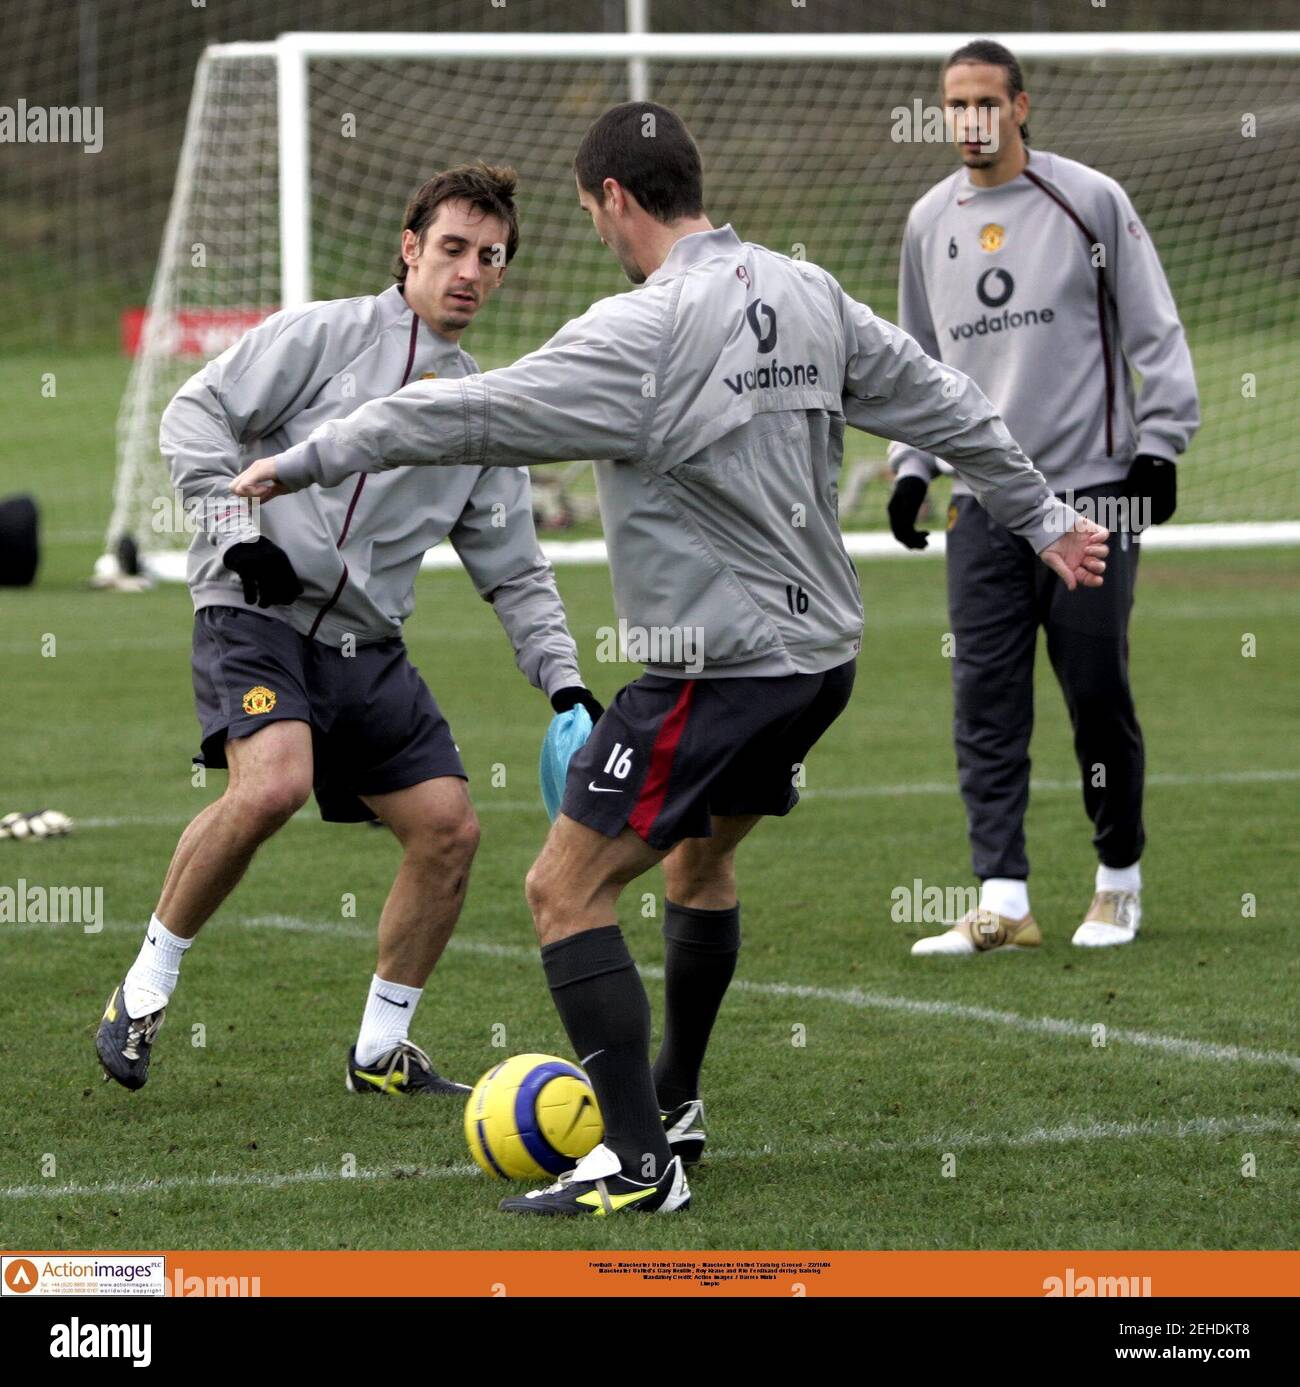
690, 250
1036, 161
393, 308
392, 304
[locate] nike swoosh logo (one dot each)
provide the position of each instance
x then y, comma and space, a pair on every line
616, 1201
604, 789
390, 1001
151, 939
590, 1057
383, 1082
577, 1117
962, 201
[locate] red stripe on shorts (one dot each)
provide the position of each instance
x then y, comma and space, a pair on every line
654, 789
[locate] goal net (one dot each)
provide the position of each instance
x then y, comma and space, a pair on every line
299, 156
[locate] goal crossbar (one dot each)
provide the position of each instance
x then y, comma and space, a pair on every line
777, 47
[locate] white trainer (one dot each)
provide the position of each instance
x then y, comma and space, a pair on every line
981, 932
1114, 917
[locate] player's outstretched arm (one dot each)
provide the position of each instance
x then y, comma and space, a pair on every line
893, 389
582, 395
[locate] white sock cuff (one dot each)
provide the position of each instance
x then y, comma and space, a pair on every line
1119, 878
165, 936
1005, 896
386, 1020
399, 992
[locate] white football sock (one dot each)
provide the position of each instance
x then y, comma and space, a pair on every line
386, 1019
1004, 896
1119, 878
152, 978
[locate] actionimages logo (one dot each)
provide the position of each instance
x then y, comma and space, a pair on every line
83, 1273
20, 1276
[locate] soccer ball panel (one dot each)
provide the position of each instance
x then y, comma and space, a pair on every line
531, 1116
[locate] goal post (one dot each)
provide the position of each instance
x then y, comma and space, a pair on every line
299, 155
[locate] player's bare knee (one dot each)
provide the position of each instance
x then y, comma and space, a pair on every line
445, 841
550, 897
263, 805
537, 889
702, 892
694, 873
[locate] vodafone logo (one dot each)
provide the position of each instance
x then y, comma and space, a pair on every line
994, 288
765, 330
20, 1275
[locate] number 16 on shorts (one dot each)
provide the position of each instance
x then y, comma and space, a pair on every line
619, 762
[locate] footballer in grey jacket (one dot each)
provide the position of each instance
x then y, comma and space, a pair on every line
301, 678
714, 399
1033, 274
355, 548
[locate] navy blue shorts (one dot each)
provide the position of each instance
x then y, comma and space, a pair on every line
668, 754
375, 726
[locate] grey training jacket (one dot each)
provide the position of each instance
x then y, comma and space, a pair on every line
713, 399
356, 546
1048, 292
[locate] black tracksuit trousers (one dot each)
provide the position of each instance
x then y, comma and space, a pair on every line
999, 594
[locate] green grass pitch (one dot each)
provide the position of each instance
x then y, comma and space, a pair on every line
843, 1071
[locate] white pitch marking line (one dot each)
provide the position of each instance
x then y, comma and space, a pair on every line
1068, 1133
1180, 1046
921, 787
1064, 1135
875, 1001
1122, 1131
1041, 1025
319, 1174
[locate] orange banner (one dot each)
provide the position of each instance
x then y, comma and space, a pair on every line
1080, 1275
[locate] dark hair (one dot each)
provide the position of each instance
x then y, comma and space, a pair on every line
990, 51
490, 188
648, 149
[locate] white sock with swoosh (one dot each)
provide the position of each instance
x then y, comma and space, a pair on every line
386, 1019
152, 978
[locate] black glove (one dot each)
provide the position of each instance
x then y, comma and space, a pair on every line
268, 576
904, 506
1157, 480
564, 699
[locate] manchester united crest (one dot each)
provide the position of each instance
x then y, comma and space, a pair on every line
992, 236
258, 699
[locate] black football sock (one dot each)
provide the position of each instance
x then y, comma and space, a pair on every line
698, 963
603, 1004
